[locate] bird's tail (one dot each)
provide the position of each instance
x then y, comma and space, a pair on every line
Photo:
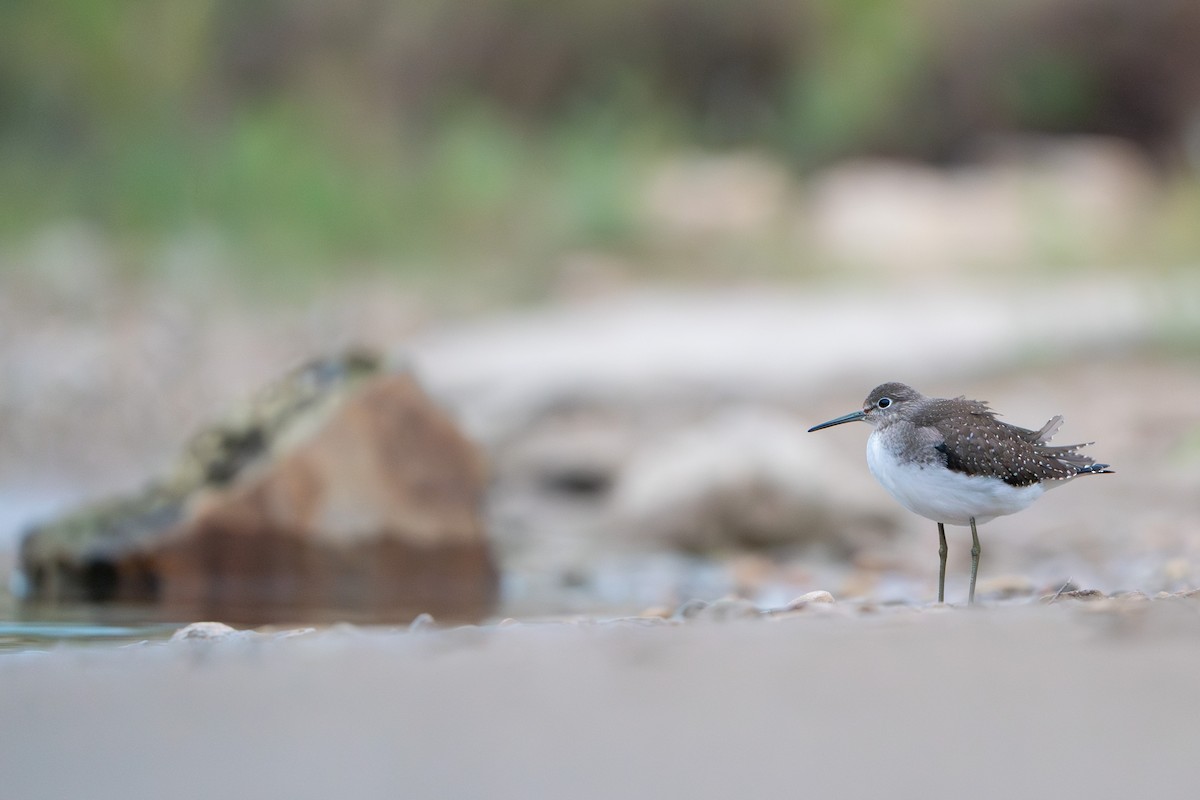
1047, 431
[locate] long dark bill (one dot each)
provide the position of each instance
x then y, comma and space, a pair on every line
853, 416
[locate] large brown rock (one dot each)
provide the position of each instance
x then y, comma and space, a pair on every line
341, 492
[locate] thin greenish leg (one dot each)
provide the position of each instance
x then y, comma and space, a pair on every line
942, 551
974, 561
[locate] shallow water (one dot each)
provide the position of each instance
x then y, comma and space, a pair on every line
40, 635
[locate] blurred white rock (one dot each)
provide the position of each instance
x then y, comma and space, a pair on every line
746, 478
709, 196
1026, 202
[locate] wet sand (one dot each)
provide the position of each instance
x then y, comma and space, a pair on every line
1092, 699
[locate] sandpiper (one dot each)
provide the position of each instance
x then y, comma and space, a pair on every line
952, 461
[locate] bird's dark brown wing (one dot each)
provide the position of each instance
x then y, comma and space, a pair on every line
979, 444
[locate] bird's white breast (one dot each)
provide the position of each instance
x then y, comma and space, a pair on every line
941, 494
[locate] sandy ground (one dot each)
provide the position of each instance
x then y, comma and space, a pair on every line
1087, 699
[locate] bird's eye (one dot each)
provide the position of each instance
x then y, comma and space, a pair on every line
884, 402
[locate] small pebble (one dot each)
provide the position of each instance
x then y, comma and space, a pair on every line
803, 600
204, 631
423, 622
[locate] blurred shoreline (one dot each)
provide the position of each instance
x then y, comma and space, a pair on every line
620, 388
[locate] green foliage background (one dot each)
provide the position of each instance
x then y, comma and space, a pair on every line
437, 134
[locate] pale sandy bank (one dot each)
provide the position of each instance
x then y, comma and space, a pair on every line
1085, 699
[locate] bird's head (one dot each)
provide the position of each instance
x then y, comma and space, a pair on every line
883, 403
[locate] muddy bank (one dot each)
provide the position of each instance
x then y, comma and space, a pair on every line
1016, 701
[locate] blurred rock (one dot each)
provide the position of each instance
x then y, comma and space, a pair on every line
810, 597
220, 632
423, 622
589, 274
341, 491
717, 196
205, 631
746, 478
1028, 201
910, 216
805, 604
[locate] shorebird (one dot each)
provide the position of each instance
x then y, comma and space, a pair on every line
952, 461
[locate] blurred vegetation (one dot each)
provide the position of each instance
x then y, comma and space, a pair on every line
445, 132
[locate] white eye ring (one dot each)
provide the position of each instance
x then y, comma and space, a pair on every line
884, 402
